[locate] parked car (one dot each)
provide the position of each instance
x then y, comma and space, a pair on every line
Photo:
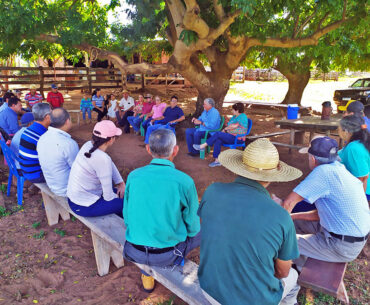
359, 90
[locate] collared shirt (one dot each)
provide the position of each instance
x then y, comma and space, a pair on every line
9, 121
243, 232
56, 165
339, 198
55, 99
3, 107
126, 104
14, 145
99, 100
33, 99
147, 108
91, 178
171, 114
28, 157
356, 158
211, 119
160, 205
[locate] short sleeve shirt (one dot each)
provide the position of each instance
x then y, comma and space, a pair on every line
171, 114
356, 158
242, 122
158, 110
243, 232
33, 99
147, 108
126, 104
339, 198
99, 101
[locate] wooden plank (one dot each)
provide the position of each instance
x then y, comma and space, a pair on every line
268, 135
305, 123
19, 68
19, 76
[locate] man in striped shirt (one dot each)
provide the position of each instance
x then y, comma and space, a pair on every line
33, 97
28, 157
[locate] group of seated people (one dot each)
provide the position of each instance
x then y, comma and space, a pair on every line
247, 237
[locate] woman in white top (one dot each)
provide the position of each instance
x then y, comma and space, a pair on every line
90, 189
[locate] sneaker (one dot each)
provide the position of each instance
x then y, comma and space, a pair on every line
193, 155
148, 283
197, 147
214, 164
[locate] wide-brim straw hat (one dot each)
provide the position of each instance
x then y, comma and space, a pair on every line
125, 91
259, 161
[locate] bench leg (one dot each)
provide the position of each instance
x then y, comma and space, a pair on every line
103, 253
342, 293
53, 210
291, 140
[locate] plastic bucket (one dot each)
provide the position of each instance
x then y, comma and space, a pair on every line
292, 112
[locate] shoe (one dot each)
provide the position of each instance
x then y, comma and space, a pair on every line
197, 147
137, 133
148, 283
193, 154
214, 164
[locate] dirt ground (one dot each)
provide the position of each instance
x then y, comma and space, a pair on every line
56, 265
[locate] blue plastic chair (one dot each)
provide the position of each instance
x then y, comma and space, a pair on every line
236, 144
13, 171
204, 139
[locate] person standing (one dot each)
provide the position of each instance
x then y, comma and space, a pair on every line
56, 166
55, 98
86, 106
248, 240
32, 98
125, 110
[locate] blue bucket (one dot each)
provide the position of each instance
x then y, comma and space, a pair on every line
292, 112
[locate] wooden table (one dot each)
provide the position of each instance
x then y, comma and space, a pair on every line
309, 124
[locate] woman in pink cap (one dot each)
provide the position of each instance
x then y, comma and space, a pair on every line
90, 189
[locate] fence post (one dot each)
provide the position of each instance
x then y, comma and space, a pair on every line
142, 80
41, 69
89, 79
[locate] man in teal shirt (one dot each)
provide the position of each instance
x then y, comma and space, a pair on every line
248, 240
160, 209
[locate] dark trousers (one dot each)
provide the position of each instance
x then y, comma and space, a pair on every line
101, 114
174, 256
303, 206
100, 208
123, 121
218, 139
193, 136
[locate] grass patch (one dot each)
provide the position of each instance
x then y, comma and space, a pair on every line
40, 235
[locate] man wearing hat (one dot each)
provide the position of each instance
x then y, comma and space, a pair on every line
355, 108
337, 231
135, 121
125, 107
248, 240
26, 120
55, 98
33, 97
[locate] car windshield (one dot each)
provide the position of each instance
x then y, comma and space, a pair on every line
357, 84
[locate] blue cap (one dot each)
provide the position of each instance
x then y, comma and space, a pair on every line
324, 147
27, 118
54, 86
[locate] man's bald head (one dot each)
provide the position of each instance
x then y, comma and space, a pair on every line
59, 118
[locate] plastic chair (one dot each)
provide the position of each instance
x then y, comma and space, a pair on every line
236, 144
10, 157
204, 139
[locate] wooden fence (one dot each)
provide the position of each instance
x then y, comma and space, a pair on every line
68, 78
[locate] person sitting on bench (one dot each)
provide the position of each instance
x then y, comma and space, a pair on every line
210, 119
125, 110
248, 241
339, 227
9, 117
156, 114
171, 116
237, 125
160, 209
57, 166
142, 108
90, 189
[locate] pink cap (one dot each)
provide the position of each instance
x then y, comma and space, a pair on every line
106, 129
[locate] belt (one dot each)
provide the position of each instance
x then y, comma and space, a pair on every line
152, 250
350, 239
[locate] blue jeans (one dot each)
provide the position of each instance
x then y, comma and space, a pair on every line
84, 110
193, 136
157, 125
146, 123
218, 139
100, 208
135, 122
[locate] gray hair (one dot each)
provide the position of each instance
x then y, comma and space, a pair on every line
59, 117
210, 101
40, 111
162, 142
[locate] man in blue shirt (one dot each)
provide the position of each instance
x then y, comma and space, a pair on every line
210, 119
9, 116
171, 116
337, 231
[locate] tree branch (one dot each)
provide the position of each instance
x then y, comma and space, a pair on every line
193, 21
305, 22
294, 35
177, 11
225, 23
322, 20
219, 10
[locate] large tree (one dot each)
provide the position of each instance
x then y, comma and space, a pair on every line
218, 31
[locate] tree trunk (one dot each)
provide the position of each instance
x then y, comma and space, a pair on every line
297, 84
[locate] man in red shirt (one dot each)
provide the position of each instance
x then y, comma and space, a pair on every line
55, 98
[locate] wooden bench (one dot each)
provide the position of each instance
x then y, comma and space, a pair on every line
108, 236
324, 277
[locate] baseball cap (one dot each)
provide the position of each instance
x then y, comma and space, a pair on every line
352, 106
27, 118
54, 86
105, 129
324, 147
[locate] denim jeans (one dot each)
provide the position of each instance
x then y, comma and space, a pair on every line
135, 122
157, 125
218, 139
193, 136
84, 111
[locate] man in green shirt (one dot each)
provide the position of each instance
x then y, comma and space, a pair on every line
160, 209
248, 240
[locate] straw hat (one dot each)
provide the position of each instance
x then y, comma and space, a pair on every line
33, 87
125, 91
259, 161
